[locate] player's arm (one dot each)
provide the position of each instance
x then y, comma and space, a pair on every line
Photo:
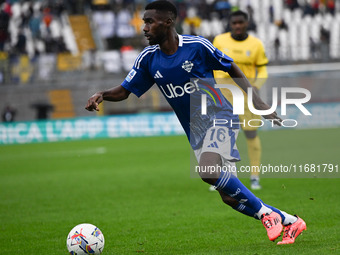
238, 76
115, 94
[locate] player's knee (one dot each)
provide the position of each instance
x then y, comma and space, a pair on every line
250, 134
209, 178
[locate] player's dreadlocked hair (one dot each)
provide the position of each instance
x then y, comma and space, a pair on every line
163, 5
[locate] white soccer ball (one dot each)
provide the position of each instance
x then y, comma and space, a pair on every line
85, 239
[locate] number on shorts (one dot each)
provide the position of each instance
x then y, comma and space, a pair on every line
220, 134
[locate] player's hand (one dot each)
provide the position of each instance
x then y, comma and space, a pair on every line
274, 118
94, 101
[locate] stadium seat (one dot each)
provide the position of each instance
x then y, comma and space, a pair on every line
205, 28
128, 58
334, 40
284, 44
216, 26
304, 41
111, 61
293, 42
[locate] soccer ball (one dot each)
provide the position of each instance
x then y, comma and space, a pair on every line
85, 239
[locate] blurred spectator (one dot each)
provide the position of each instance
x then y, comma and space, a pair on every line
8, 114
315, 4
292, 4
7, 8
47, 17
192, 22
271, 14
182, 11
277, 45
26, 13
314, 49
137, 21
34, 25
281, 24
4, 22
223, 8
37, 27
58, 7
42, 110
330, 6
124, 28
324, 44
75, 6
308, 10
251, 21
105, 22
20, 46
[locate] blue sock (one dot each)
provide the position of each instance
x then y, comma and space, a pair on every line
233, 187
245, 210
275, 210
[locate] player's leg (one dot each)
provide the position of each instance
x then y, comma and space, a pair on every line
222, 156
254, 155
217, 158
236, 195
293, 225
251, 122
207, 162
237, 205
228, 183
287, 219
292, 231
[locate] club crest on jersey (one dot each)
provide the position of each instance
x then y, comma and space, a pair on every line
187, 66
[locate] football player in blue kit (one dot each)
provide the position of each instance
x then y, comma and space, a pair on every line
181, 65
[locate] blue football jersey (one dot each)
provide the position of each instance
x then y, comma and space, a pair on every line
182, 78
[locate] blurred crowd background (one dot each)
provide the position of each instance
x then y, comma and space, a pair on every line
92, 43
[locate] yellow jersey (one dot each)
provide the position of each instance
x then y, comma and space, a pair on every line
250, 57
247, 54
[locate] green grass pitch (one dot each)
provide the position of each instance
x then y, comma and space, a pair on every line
139, 192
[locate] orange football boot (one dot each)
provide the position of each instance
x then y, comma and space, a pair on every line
272, 223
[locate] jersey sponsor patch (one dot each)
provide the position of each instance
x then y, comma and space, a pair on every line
130, 75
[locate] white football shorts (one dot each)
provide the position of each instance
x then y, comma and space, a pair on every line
221, 140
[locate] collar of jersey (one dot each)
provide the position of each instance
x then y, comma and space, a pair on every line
180, 44
180, 40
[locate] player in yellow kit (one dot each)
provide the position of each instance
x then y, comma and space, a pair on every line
249, 54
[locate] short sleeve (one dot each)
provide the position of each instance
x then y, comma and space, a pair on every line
138, 80
261, 56
216, 58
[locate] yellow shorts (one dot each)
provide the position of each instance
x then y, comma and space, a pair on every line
248, 117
